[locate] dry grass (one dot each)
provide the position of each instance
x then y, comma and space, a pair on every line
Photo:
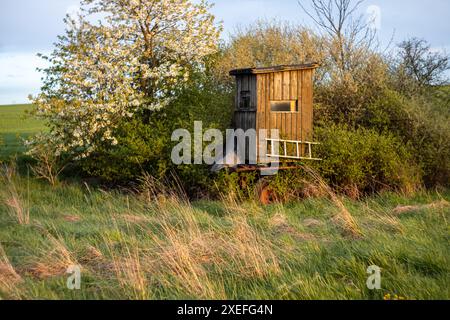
9, 195
184, 251
399, 210
9, 278
137, 219
71, 218
159, 245
382, 218
312, 223
185, 254
128, 269
312, 190
16, 208
343, 218
252, 252
191, 255
390, 222
48, 166
91, 255
281, 226
52, 259
183, 261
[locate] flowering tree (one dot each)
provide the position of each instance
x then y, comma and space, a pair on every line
126, 65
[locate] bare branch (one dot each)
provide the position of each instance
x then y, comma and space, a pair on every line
418, 61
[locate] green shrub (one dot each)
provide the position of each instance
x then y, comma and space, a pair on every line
422, 123
144, 145
288, 185
235, 186
389, 113
365, 160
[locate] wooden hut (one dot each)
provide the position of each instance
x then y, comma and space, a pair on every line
280, 98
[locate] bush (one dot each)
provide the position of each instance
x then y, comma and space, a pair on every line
420, 122
401, 136
431, 143
364, 160
146, 146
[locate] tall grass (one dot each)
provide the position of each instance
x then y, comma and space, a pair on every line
53, 258
343, 217
197, 254
10, 197
154, 243
9, 278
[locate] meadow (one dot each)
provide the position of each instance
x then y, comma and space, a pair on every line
152, 242
16, 125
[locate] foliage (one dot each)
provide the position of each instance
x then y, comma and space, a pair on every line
365, 160
145, 146
343, 88
417, 66
112, 102
122, 68
353, 67
344, 100
267, 43
47, 165
422, 123
356, 85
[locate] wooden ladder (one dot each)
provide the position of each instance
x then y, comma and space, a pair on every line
296, 145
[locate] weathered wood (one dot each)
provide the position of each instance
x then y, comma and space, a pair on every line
245, 120
271, 88
286, 94
266, 85
245, 83
293, 96
300, 106
278, 86
253, 92
267, 70
279, 126
293, 85
307, 105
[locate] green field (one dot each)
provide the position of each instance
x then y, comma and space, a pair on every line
16, 125
136, 247
156, 244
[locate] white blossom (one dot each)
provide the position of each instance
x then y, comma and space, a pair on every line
131, 61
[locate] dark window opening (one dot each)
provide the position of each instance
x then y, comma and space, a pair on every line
284, 106
245, 100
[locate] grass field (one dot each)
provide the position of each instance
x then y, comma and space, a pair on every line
137, 246
156, 244
16, 125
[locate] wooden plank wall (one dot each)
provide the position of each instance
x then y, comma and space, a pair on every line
287, 85
246, 119
246, 83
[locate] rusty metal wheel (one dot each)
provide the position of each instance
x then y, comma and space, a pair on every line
264, 193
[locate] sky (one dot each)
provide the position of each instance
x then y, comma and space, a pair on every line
28, 27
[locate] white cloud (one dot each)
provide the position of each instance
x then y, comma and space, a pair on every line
73, 10
443, 49
19, 77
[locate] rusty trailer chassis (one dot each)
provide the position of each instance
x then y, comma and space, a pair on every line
285, 162
263, 168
